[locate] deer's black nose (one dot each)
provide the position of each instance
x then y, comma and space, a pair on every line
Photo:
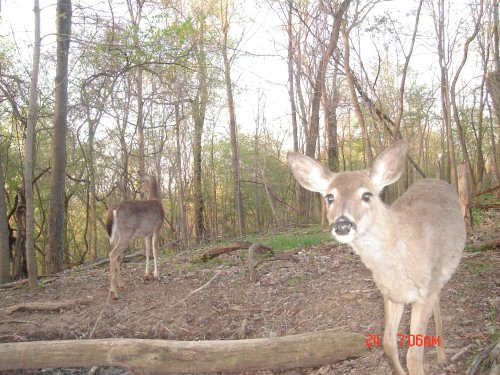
343, 225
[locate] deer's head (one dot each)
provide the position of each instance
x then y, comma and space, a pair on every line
351, 198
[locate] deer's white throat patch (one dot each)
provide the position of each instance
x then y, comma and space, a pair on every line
346, 238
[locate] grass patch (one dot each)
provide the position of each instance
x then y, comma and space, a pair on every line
493, 318
296, 280
185, 267
477, 268
477, 216
478, 249
298, 238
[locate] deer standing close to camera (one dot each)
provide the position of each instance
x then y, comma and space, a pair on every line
134, 219
411, 247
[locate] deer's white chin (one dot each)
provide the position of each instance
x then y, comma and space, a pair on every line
346, 238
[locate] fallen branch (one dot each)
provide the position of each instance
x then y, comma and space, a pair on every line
480, 246
261, 249
18, 283
483, 206
490, 190
287, 257
126, 258
475, 367
43, 306
164, 356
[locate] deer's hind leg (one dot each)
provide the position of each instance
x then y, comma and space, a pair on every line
155, 270
438, 323
147, 245
114, 269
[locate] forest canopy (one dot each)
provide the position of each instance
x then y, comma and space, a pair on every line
209, 96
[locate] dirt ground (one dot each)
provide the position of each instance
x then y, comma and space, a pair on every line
326, 287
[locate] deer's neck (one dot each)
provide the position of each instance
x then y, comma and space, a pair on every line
154, 193
379, 241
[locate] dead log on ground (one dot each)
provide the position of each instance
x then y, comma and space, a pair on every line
212, 253
43, 306
165, 356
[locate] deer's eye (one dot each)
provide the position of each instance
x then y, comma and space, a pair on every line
329, 199
366, 196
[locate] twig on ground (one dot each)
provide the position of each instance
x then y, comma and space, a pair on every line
217, 273
99, 316
151, 307
461, 353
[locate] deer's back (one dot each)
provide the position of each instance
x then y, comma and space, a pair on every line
430, 207
139, 218
429, 217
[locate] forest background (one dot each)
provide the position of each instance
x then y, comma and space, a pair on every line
208, 96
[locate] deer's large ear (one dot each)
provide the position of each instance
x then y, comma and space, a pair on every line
309, 173
389, 165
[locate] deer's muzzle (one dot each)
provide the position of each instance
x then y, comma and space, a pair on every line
342, 226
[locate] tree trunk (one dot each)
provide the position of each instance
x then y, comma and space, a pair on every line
92, 193
183, 237
291, 89
140, 123
232, 123
463, 194
19, 267
29, 154
257, 169
4, 235
330, 104
305, 197
199, 108
354, 99
404, 73
493, 86
56, 217
445, 93
453, 95
320, 79
303, 350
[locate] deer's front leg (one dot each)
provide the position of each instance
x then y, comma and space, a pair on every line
392, 317
420, 315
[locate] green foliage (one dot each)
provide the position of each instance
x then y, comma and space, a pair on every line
297, 280
494, 322
476, 268
301, 237
478, 249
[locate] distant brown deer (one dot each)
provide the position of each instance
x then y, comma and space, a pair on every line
412, 247
134, 219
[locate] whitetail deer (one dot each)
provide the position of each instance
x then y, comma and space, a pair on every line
412, 247
134, 219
